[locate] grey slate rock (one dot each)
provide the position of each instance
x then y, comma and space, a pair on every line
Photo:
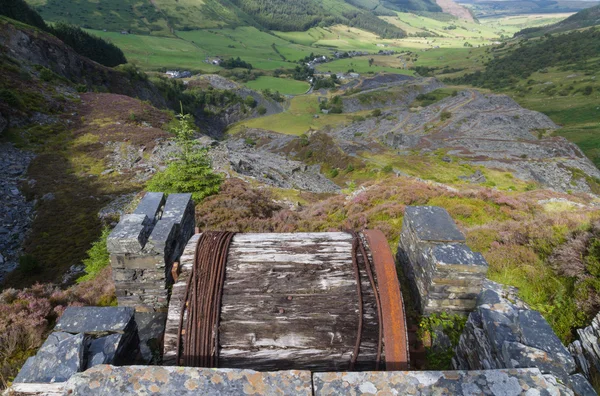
455, 383
432, 223
517, 355
151, 329
580, 385
130, 235
150, 205
457, 254
55, 364
499, 328
156, 380
96, 320
104, 350
176, 206
537, 333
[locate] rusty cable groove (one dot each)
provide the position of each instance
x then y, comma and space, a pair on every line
202, 302
358, 245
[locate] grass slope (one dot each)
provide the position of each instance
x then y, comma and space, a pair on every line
284, 86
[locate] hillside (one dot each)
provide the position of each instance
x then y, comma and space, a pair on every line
163, 17
582, 19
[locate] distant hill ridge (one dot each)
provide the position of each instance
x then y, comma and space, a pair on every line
162, 17
584, 18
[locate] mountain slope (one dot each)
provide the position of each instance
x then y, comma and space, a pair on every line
163, 17
584, 18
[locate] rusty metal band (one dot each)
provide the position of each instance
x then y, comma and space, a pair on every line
202, 302
393, 318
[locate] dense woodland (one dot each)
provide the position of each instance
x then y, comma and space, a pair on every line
82, 42
580, 49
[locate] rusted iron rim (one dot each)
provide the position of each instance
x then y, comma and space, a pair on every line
393, 318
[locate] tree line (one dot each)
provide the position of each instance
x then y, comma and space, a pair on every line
301, 15
578, 48
93, 47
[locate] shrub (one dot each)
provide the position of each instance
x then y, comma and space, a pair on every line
9, 97
588, 90
376, 113
97, 258
250, 102
46, 75
190, 174
445, 115
261, 110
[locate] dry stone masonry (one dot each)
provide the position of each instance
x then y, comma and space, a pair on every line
444, 274
144, 246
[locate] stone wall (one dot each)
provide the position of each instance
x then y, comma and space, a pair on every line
157, 380
503, 333
144, 246
443, 272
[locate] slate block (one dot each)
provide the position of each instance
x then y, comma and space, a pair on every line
517, 355
130, 235
150, 205
433, 224
176, 207
165, 232
96, 320
499, 328
104, 350
455, 383
57, 363
458, 254
537, 333
151, 330
156, 380
581, 386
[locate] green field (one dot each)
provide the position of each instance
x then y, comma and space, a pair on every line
284, 86
258, 48
361, 65
152, 52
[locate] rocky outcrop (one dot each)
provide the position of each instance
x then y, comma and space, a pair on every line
503, 333
3, 123
586, 350
33, 47
16, 212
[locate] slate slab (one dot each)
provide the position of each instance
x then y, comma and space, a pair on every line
517, 355
150, 205
537, 333
104, 350
181, 381
581, 386
151, 330
96, 320
433, 224
57, 363
455, 383
458, 254
176, 206
130, 235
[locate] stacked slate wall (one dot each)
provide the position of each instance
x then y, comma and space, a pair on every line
443, 273
504, 333
144, 246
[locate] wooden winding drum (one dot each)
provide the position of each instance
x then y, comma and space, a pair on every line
291, 301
